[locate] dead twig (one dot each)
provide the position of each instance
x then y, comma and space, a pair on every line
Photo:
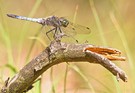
59, 52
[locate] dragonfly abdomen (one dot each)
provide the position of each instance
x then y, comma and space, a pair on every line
38, 20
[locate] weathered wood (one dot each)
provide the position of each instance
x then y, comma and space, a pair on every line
62, 52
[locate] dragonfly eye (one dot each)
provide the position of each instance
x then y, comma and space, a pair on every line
64, 22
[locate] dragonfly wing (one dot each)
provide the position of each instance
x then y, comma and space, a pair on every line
68, 31
79, 29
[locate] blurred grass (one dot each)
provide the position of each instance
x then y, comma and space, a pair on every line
26, 27
7, 42
98, 23
90, 87
102, 36
112, 25
125, 44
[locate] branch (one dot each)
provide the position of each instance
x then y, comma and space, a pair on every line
62, 52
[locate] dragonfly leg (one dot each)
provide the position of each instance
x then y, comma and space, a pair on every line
63, 34
60, 30
49, 32
59, 34
56, 34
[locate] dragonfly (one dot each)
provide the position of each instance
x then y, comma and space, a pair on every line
58, 24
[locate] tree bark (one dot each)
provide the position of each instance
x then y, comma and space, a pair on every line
58, 52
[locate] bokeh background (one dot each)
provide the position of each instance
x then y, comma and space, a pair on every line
112, 24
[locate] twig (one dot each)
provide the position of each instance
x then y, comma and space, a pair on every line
62, 52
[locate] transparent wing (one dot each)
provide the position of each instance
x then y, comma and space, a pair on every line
68, 31
79, 28
73, 29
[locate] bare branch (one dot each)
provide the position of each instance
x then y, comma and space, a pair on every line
62, 52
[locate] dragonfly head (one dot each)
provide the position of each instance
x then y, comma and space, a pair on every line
64, 22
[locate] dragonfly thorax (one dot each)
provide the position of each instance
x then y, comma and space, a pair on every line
56, 21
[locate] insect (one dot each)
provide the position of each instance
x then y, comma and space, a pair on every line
58, 23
